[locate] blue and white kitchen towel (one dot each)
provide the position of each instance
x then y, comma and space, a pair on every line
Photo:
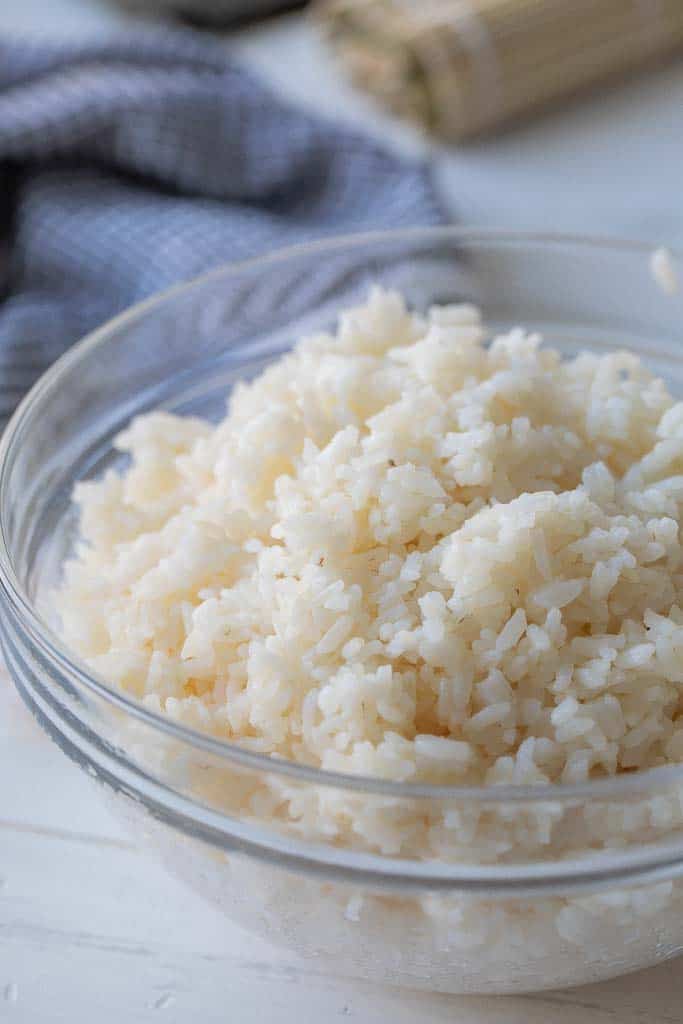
132, 163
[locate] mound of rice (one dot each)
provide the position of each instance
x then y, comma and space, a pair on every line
405, 552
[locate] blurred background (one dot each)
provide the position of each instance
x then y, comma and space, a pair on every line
572, 109
144, 141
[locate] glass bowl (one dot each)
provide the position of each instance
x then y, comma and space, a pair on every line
573, 883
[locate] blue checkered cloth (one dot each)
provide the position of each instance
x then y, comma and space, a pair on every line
129, 164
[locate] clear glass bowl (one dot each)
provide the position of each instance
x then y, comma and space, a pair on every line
574, 883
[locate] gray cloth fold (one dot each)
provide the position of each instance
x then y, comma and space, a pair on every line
132, 163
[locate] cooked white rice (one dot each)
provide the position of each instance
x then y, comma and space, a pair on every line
664, 272
406, 553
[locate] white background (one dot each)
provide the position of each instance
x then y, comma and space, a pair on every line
92, 930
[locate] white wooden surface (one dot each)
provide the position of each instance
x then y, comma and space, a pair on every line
91, 930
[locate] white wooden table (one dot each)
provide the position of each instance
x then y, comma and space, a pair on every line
91, 930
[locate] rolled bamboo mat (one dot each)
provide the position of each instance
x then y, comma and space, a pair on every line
464, 67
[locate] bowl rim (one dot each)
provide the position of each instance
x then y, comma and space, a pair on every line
615, 786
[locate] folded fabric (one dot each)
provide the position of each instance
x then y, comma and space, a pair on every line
129, 164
